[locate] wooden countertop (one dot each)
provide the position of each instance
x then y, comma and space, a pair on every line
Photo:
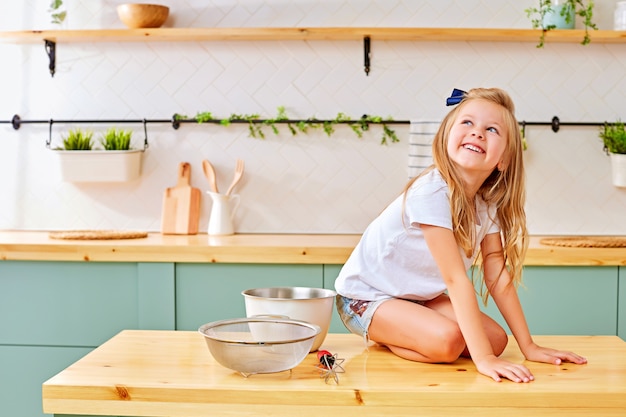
247, 248
172, 373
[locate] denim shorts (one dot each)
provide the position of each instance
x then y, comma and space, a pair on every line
357, 315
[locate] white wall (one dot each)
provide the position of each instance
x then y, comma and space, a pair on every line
308, 183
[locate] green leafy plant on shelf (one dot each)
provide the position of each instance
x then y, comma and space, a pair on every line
613, 136
256, 124
116, 139
56, 13
77, 140
568, 10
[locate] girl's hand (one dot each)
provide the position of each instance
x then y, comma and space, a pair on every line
556, 357
497, 369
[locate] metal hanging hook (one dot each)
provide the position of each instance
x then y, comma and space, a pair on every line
145, 133
49, 141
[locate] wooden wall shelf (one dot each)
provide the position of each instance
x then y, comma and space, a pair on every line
52, 37
312, 33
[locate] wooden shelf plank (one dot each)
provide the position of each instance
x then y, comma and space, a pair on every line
312, 33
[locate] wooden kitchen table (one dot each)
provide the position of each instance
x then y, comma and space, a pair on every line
172, 373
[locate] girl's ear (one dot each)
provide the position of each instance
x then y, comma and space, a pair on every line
501, 166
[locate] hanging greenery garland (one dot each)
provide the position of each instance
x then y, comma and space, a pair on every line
256, 124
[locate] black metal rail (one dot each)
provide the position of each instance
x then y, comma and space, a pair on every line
175, 121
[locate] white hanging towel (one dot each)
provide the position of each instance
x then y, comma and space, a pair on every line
421, 136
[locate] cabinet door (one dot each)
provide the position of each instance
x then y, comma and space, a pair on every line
82, 303
209, 292
575, 300
53, 313
24, 369
66, 303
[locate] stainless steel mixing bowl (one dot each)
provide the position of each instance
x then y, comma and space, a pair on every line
313, 305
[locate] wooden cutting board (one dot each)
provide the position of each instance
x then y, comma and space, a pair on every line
181, 205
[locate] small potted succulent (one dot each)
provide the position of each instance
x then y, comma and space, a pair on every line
613, 136
561, 14
115, 162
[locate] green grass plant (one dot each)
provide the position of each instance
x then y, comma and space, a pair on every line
614, 137
78, 140
116, 139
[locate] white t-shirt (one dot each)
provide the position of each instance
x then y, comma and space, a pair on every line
392, 258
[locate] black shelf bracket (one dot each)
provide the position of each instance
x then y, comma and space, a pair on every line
367, 49
51, 51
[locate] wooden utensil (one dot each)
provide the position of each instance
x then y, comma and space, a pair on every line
238, 174
181, 205
209, 173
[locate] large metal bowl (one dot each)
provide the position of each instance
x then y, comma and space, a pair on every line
313, 305
259, 345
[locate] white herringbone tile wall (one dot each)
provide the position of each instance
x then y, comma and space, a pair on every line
310, 183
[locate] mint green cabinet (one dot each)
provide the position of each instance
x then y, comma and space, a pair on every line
209, 292
556, 300
24, 369
67, 304
576, 300
53, 313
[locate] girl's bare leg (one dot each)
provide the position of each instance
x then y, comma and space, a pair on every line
427, 333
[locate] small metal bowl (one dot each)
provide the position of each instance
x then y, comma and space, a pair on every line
259, 345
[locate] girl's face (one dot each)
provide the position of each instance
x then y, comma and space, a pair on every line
478, 139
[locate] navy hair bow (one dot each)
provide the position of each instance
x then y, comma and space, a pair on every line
456, 97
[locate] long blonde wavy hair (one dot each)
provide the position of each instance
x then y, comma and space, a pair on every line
504, 188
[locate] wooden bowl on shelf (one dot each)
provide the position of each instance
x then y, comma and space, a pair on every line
140, 16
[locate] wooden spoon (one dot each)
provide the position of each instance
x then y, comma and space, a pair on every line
209, 173
238, 174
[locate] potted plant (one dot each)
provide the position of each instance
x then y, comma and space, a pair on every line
561, 14
116, 162
613, 136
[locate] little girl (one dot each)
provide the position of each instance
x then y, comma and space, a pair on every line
406, 286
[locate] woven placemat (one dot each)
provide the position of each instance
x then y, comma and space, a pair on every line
97, 234
586, 241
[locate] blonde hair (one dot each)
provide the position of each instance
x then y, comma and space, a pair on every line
504, 188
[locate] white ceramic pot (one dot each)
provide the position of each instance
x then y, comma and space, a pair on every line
100, 165
312, 305
618, 169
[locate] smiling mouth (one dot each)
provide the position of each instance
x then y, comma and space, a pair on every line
473, 148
